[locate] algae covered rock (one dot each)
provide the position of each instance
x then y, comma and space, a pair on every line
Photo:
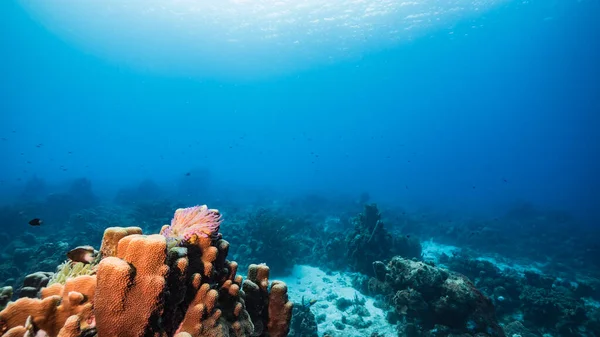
428, 298
5, 296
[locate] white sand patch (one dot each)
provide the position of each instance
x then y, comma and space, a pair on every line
507, 264
432, 251
313, 283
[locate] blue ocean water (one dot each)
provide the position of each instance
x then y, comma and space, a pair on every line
441, 120
457, 110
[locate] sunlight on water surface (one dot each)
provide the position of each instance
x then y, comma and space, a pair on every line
245, 36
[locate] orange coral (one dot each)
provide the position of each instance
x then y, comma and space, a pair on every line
51, 312
130, 286
111, 238
72, 327
277, 320
209, 255
280, 310
259, 274
18, 331
143, 289
201, 318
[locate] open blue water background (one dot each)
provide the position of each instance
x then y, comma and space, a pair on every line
457, 118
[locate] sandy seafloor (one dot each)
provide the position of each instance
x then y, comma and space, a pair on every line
310, 282
313, 283
433, 250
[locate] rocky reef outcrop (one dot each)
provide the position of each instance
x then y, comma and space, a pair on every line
432, 301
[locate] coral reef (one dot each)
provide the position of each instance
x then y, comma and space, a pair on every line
145, 286
95, 219
70, 269
270, 310
558, 296
21, 258
304, 323
371, 242
50, 313
281, 240
546, 304
516, 235
269, 237
427, 298
553, 309
517, 329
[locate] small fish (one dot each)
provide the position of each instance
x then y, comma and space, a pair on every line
188, 174
36, 222
309, 303
83, 254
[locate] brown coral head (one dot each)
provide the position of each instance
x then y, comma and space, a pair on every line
259, 274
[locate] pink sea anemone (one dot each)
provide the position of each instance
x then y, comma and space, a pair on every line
198, 220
